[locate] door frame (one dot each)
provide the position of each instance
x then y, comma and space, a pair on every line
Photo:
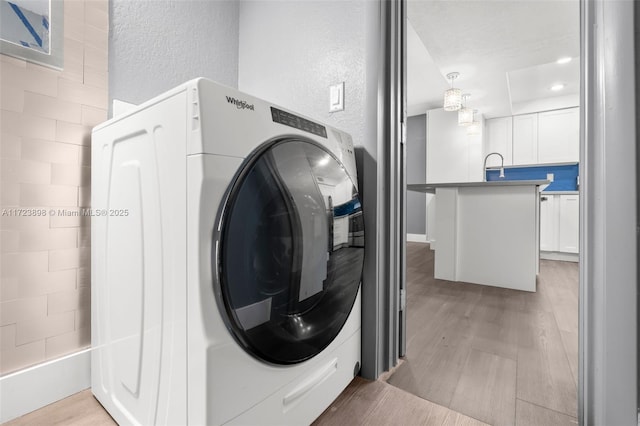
608, 320
384, 273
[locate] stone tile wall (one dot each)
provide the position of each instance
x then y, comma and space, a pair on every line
45, 159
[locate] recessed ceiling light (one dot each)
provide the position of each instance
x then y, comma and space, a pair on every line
564, 60
557, 87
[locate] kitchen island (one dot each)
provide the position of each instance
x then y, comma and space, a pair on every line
487, 232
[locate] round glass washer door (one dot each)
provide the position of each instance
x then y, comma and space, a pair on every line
290, 252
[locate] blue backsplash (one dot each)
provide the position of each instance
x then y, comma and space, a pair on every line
565, 176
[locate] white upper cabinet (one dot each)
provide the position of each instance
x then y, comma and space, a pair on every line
498, 138
538, 138
525, 139
559, 136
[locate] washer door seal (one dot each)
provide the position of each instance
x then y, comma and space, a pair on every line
290, 251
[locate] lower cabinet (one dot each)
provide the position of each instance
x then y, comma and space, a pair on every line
568, 228
548, 223
559, 223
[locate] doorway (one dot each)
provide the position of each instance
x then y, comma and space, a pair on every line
500, 356
608, 350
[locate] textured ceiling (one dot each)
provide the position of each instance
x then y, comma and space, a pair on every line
493, 44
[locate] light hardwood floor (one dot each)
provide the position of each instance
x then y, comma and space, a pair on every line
504, 357
365, 402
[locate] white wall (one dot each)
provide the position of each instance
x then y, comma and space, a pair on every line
292, 51
452, 155
157, 45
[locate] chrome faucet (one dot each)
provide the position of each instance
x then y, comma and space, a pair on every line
484, 167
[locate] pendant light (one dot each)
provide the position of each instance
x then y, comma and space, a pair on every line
452, 96
474, 127
465, 115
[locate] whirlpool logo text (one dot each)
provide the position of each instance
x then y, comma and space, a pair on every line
239, 103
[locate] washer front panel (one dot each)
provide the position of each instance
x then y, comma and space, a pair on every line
291, 251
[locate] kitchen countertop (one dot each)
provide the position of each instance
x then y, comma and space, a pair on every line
560, 192
431, 187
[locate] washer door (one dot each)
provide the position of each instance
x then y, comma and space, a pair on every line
290, 252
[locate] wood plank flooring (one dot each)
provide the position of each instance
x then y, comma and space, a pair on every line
502, 356
377, 403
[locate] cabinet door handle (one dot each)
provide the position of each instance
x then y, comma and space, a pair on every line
543, 198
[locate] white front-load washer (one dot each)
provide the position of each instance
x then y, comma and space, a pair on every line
227, 253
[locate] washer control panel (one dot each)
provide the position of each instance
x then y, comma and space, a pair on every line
292, 120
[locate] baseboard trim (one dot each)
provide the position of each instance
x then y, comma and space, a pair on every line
556, 255
417, 238
35, 387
